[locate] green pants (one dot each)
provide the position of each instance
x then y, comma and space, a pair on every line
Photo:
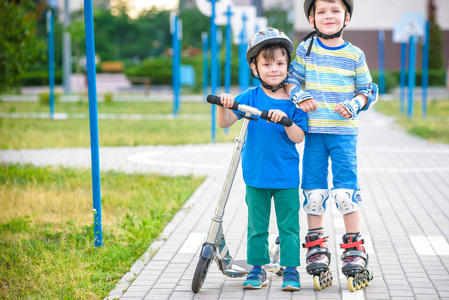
286, 203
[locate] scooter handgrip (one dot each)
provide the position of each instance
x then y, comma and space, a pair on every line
285, 121
214, 99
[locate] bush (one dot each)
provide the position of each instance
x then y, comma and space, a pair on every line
159, 69
39, 78
436, 78
108, 98
44, 98
391, 80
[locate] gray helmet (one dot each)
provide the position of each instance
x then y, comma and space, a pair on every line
308, 4
265, 37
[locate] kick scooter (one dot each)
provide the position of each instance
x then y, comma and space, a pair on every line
215, 248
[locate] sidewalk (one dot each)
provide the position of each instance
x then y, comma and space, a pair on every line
405, 218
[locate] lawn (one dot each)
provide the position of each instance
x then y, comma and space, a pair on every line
192, 127
434, 127
115, 107
46, 232
46, 227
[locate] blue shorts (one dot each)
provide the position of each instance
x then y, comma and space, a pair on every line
341, 149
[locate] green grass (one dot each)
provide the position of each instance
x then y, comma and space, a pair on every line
434, 128
116, 107
27, 133
46, 234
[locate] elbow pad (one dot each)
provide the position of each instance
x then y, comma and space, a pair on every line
371, 92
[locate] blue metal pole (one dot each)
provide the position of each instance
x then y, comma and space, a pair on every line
51, 62
219, 44
241, 61
425, 70
245, 67
178, 63
381, 47
255, 82
205, 64
402, 78
411, 75
175, 67
213, 59
93, 119
227, 79
239, 54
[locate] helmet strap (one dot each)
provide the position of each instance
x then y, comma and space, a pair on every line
329, 36
269, 87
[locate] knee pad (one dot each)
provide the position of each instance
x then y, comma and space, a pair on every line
315, 202
347, 200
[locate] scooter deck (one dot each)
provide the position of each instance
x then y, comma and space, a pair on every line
246, 267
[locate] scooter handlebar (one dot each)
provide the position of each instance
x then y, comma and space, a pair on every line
214, 99
285, 121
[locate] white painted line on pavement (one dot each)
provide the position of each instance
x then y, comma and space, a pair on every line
402, 150
422, 245
348, 295
159, 158
404, 170
439, 244
193, 242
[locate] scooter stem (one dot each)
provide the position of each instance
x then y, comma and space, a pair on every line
219, 212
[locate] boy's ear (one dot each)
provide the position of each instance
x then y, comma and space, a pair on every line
348, 18
253, 68
312, 21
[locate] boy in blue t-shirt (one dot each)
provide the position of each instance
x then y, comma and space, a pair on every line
337, 86
270, 161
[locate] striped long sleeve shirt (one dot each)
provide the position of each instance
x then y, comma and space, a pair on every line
331, 76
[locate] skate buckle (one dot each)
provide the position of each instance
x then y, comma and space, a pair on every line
317, 242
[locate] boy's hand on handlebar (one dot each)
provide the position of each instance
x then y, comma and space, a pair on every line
276, 115
227, 100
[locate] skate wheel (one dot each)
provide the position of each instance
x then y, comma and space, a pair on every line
363, 283
351, 284
370, 275
317, 283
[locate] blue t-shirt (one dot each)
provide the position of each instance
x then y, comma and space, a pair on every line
269, 158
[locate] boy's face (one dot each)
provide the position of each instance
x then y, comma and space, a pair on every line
329, 17
271, 71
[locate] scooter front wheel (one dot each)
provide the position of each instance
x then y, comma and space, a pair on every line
200, 273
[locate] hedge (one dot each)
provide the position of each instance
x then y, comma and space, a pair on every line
159, 70
39, 78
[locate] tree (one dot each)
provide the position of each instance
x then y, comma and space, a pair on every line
19, 43
77, 30
436, 61
194, 23
279, 18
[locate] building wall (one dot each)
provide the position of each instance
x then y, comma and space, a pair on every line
370, 16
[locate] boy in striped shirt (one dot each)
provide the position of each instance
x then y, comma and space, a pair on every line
336, 86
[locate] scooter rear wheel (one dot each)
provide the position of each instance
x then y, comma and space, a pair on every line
200, 273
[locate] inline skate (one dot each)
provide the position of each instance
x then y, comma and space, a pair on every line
355, 262
318, 259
